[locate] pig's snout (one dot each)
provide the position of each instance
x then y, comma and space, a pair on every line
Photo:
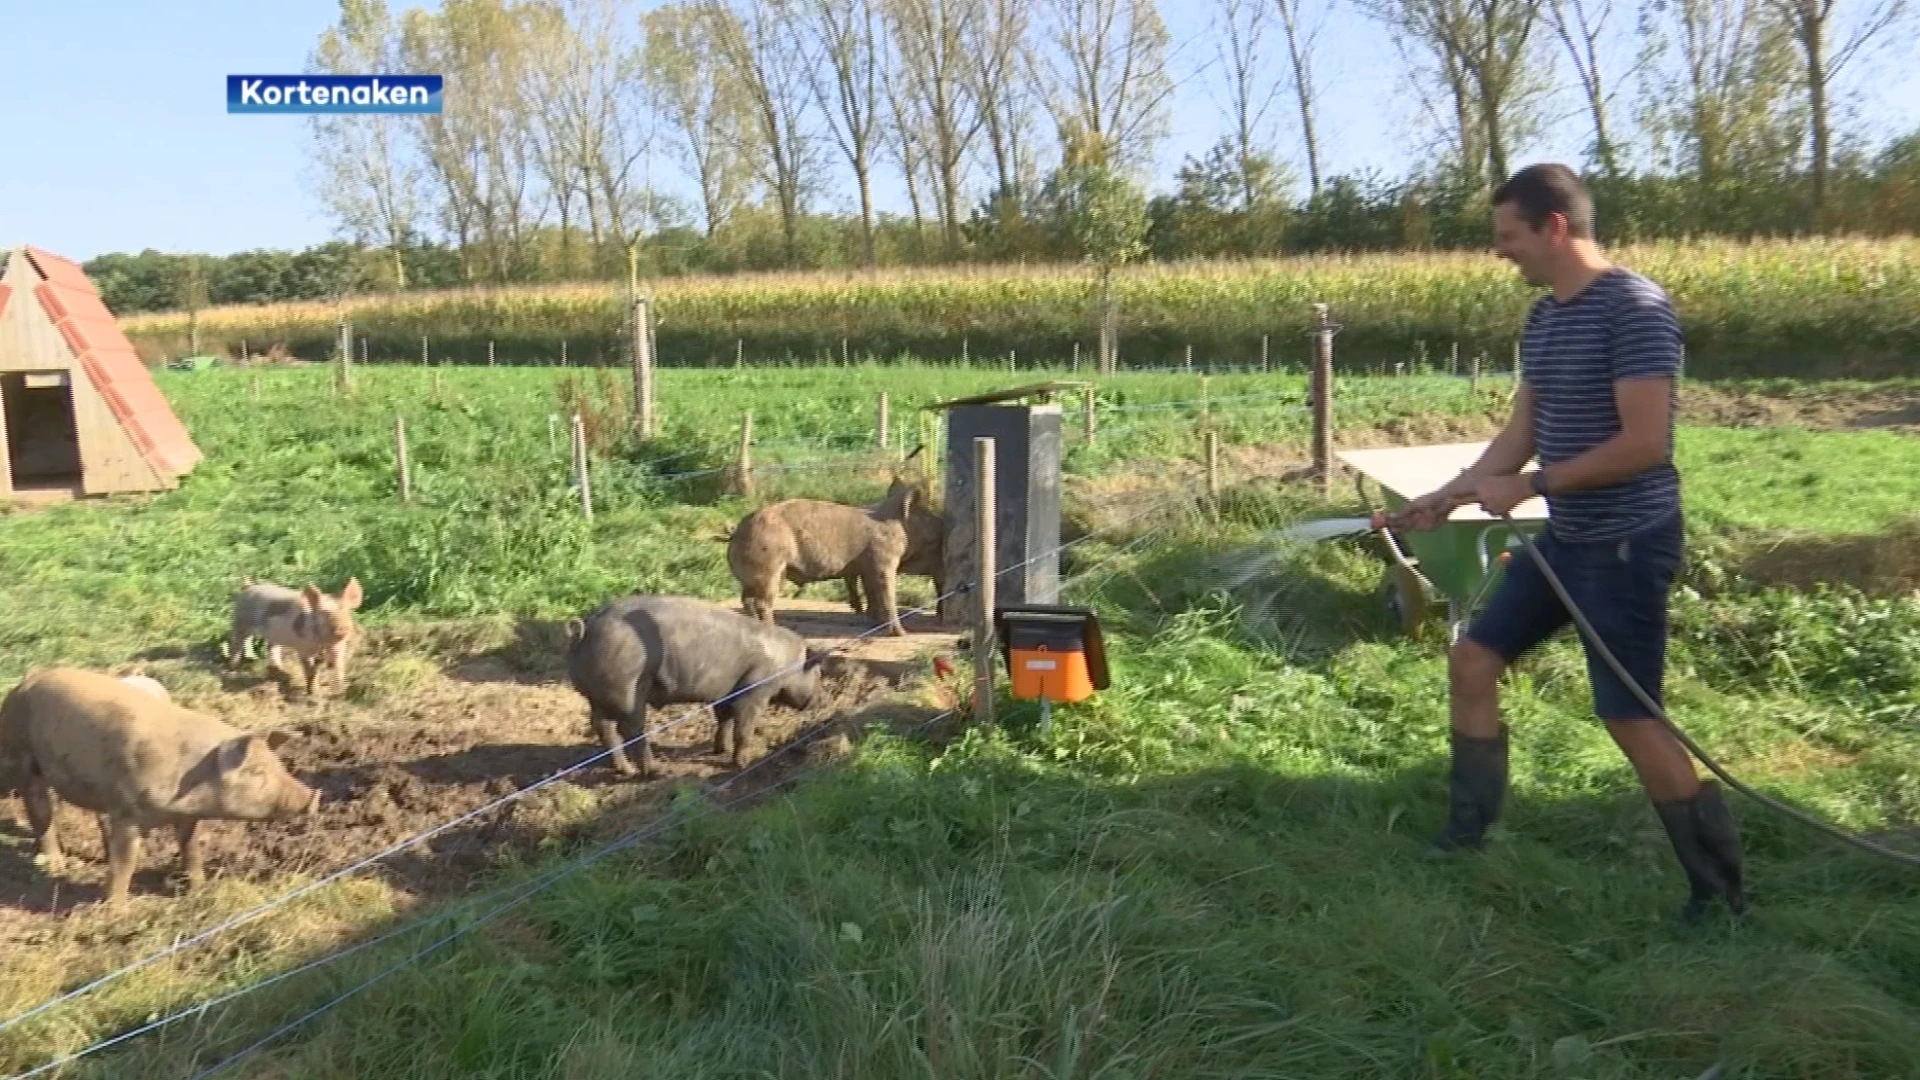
299, 800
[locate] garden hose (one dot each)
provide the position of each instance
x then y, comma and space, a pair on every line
1586, 628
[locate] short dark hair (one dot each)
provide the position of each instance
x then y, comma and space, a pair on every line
1539, 190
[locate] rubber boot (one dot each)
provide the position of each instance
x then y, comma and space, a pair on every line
1708, 845
1476, 786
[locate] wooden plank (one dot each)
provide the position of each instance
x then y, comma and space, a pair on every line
1413, 471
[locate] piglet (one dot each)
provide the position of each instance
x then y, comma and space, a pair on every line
315, 626
140, 763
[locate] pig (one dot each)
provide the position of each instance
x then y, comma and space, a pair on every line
315, 626
643, 650
806, 540
138, 762
148, 684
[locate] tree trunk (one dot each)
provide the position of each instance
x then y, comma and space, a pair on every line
861, 173
1303, 95
1814, 40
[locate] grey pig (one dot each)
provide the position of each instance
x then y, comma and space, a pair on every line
139, 762
314, 625
805, 540
641, 651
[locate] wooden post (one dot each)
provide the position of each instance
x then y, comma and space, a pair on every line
580, 471
345, 376
426, 358
881, 423
489, 352
1263, 354
1086, 413
1012, 363
844, 360
1076, 357
1323, 399
1473, 373
243, 350
739, 353
563, 352
253, 389
1213, 472
983, 651
1206, 403
642, 368
363, 350
400, 458
1453, 359
743, 468
1189, 358
964, 359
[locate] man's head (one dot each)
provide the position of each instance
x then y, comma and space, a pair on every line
1542, 221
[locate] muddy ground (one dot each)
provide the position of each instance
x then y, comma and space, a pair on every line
423, 739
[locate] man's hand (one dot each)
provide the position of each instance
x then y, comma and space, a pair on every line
1425, 513
1498, 495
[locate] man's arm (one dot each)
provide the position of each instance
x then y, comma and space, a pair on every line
1645, 430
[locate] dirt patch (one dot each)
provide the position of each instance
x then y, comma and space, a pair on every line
1823, 409
1881, 564
476, 731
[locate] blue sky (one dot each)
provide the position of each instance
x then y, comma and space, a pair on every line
116, 136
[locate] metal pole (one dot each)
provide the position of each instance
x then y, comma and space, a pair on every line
983, 494
1323, 399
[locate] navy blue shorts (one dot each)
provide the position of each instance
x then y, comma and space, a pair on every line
1621, 586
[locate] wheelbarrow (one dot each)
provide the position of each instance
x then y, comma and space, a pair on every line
1463, 559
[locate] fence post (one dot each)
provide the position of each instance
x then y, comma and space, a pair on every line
984, 502
426, 358
364, 357
436, 382
243, 350
882, 422
1473, 373
1323, 399
739, 353
642, 368
1206, 403
1213, 473
1012, 363
563, 352
1076, 357
553, 432
489, 352
253, 389
743, 466
1189, 364
1086, 412
1263, 354
400, 458
580, 471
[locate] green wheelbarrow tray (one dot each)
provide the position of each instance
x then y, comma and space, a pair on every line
1463, 560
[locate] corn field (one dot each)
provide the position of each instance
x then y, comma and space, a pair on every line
1825, 307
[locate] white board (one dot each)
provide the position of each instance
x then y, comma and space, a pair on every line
1413, 471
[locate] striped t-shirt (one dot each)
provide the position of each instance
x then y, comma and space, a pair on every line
1621, 326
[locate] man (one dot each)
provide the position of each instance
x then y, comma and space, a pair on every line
1599, 358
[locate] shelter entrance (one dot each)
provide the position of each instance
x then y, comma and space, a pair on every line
43, 439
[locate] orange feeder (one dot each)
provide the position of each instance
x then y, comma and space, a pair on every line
1053, 654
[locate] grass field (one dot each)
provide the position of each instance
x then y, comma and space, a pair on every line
1212, 869
1815, 308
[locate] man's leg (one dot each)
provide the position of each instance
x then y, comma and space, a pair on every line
1523, 613
1627, 605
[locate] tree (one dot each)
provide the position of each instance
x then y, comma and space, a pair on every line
760, 41
1720, 75
932, 37
481, 146
1107, 76
696, 90
1302, 38
368, 180
1242, 26
1581, 25
1481, 50
1100, 216
585, 92
1810, 21
999, 77
849, 39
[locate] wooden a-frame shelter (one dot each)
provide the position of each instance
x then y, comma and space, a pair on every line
79, 412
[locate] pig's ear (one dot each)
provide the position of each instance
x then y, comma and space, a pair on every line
278, 739
311, 594
350, 596
235, 753
576, 629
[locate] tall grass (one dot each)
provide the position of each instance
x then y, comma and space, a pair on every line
1807, 307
